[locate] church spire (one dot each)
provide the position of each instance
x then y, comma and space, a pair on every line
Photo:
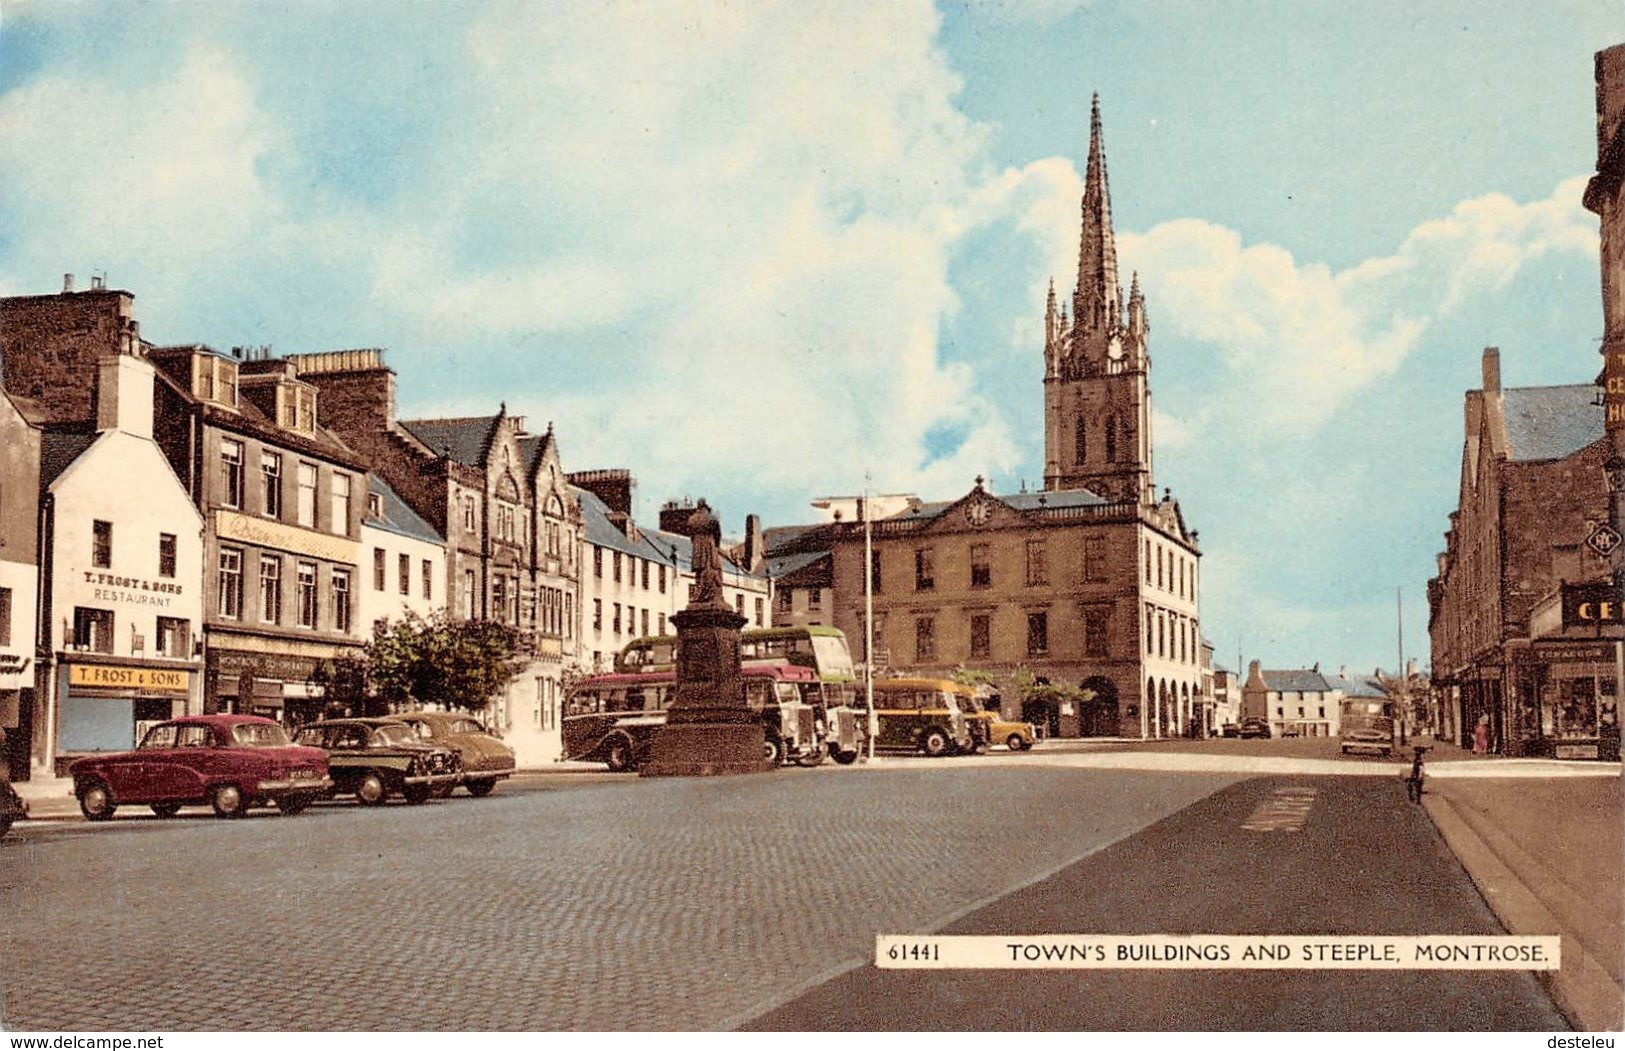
1097, 304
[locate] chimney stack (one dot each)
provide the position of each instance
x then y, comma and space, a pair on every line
754, 547
1492, 370
67, 282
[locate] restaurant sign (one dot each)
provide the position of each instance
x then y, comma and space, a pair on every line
1592, 605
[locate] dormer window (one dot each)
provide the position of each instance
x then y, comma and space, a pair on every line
296, 407
215, 379
375, 505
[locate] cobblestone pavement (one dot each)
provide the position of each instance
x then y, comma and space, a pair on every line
669, 904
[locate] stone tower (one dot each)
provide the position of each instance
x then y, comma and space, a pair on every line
1097, 404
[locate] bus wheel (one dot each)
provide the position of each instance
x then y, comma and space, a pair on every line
772, 750
619, 758
844, 758
934, 743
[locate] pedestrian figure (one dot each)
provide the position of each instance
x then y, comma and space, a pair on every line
1481, 736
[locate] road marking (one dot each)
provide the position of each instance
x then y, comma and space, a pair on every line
1285, 810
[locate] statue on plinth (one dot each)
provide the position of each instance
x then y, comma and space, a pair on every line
709, 729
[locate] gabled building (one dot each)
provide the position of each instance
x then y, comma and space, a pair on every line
498, 496
1298, 702
1531, 497
404, 560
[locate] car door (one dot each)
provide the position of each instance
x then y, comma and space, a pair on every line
129, 775
173, 773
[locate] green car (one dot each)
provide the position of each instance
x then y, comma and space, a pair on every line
377, 758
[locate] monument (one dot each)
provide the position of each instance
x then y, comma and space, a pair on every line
709, 729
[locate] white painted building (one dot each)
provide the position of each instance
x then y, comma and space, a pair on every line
19, 579
124, 610
403, 561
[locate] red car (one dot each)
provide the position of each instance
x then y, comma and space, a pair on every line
229, 762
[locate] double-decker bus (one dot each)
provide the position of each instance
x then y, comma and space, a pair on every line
612, 719
931, 716
822, 649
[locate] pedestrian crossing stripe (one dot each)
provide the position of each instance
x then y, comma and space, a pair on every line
1285, 810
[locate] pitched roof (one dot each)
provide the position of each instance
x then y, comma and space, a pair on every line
1549, 423
670, 548
531, 447
1304, 680
465, 438
1356, 687
396, 516
59, 447
1040, 500
784, 565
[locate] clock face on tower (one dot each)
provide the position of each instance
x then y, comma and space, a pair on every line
978, 512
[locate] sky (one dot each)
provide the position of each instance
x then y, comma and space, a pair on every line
764, 253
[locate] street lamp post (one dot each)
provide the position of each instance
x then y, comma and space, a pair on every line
869, 620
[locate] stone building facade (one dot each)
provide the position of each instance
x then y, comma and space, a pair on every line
1093, 582
498, 496
1531, 497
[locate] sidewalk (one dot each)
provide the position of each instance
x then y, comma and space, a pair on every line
1547, 856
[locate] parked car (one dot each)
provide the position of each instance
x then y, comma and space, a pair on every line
12, 807
229, 762
377, 758
1230, 730
1017, 736
486, 760
1254, 727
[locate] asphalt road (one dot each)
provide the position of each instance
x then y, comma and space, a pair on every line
570, 902
1361, 861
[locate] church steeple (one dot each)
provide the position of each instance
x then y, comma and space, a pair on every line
1097, 408
1097, 304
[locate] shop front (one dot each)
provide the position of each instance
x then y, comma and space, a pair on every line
289, 685
107, 706
16, 713
1566, 701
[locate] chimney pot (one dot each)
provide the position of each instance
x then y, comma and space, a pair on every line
67, 282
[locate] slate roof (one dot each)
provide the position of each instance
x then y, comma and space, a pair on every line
397, 517
657, 546
1356, 687
531, 447
1549, 423
58, 450
784, 565
1303, 680
465, 438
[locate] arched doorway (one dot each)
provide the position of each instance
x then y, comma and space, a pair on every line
1043, 715
1101, 717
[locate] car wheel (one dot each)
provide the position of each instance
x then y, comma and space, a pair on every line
619, 757
935, 743
228, 801
417, 795
291, 805
844, 758
166, 809
443, 791
1015, 743
96, 802
481, 789
371, 790
772, 750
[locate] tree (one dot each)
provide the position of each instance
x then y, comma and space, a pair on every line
442, 661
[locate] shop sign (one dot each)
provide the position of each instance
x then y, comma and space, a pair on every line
1590, 605
118, 677
1613, 377
281, 666
1573, 651
1575, 751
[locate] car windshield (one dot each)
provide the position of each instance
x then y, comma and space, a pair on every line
394, 733
259, 735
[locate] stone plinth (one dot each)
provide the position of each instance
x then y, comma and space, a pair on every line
709, 729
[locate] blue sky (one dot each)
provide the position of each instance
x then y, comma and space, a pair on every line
753, 252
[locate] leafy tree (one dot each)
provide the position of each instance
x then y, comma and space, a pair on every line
443, 661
